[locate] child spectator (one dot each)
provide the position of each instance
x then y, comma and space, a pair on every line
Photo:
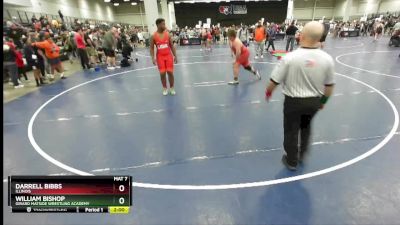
20, 64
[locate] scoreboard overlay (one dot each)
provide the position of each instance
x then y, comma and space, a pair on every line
70, 194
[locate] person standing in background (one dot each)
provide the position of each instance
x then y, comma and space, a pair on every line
291, 36
33, 61
243, 35
217, 35
271, 36
307, 78
20, 64
81, 48
9, 64
378, 30
91, 48
225, 34
259, 38
203, 39
324, 34
109, 46
52, 52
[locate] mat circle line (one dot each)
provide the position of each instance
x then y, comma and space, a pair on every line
219, 186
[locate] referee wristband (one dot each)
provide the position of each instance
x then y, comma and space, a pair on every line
324, 99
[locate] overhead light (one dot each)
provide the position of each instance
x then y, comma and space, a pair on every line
107, 0
116, 4
134, 3
126, 0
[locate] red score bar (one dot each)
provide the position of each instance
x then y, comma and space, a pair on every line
77, 189
74, 185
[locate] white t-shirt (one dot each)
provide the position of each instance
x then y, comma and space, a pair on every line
304, 72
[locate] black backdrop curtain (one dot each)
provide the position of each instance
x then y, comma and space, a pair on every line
188, 14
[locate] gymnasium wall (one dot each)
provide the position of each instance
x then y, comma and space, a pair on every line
127, 13
304, 9
90, 9
271, 11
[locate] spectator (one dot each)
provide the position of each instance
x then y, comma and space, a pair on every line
69, 46
396, 26
32, 59
52, 52
90, 48
243, 35
290, 36
15, 33
9, 65
109, 46
378, 30
225, 34
134, 38
259, 38
81, 48
271, 37
217, 35
20, 64
126, 53
61, 15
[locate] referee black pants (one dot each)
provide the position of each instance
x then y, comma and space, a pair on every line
298, 114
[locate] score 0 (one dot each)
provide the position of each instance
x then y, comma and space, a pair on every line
121, 186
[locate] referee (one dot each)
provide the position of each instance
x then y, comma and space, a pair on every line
307, 78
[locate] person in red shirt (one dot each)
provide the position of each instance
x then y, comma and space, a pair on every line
20, 64
241, 54
81, 48
166, 55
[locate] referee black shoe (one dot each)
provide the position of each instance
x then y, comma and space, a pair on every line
285, 162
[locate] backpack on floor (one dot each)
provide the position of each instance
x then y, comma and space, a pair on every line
125, 63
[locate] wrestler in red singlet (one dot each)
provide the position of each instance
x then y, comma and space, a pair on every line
244, 55
241, 55
165, 60
166, 55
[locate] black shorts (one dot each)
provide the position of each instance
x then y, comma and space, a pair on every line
54, 61
323, 38
109, 52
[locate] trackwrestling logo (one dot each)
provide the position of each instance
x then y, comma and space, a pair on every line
225, 10
233, 9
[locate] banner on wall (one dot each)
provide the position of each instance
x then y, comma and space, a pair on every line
233, 9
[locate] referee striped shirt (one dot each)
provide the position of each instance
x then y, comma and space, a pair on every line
304, 72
